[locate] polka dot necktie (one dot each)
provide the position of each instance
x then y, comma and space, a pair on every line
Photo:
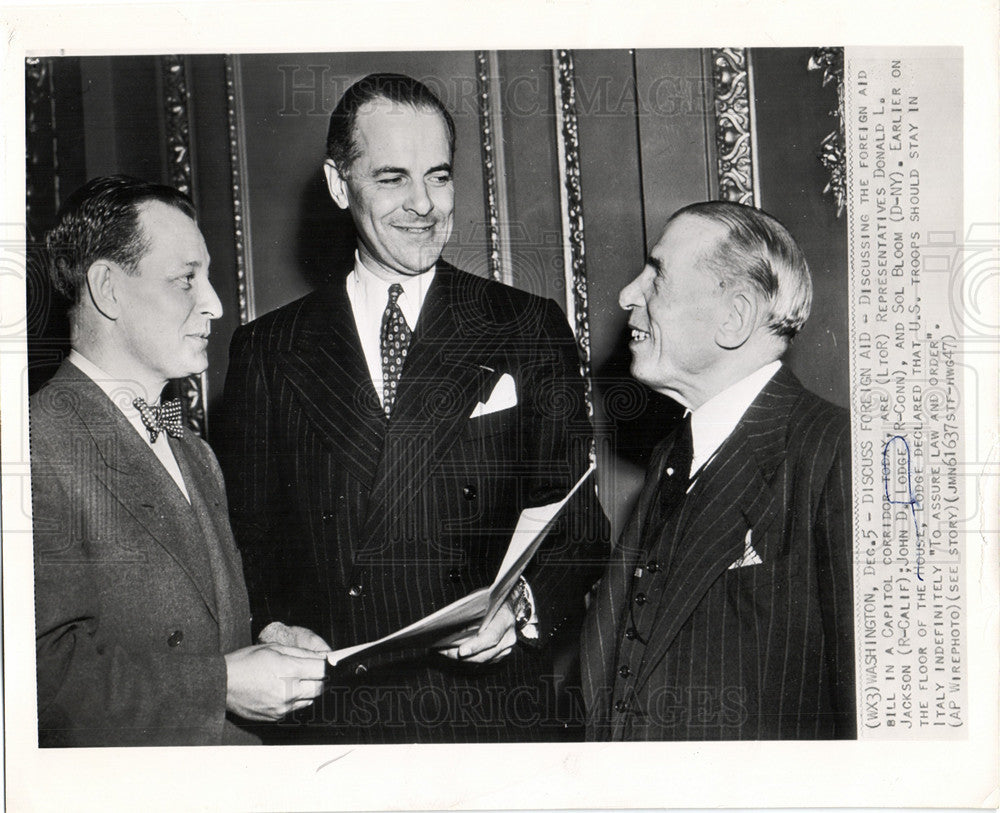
395, 342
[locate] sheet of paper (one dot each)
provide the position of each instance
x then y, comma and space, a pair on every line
481, 605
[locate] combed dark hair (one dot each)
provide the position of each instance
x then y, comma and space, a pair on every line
100, 221
341, 147
760, 251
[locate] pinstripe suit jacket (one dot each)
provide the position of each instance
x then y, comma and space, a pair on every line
355, 526
138, 593
761, 651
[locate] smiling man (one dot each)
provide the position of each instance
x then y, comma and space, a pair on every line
383, 435
142, 621
726, 611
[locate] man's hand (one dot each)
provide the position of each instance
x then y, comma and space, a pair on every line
267, 681
489, 645
278, 633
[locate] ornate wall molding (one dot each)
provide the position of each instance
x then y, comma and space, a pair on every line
832, 154
735, 131
42, 188
190, 390
494, 167
241, 207
571, 209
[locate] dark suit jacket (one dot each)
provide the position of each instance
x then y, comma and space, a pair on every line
355, 526
755, 652
137, 592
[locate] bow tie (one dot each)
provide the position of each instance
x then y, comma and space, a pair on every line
163, 418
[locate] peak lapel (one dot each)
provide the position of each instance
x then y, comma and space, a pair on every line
326, 369
733, 494
444, 375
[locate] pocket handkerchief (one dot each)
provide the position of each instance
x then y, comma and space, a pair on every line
504, 396
749, 557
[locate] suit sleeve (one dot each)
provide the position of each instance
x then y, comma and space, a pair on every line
559, 442
259, 505
836, 578
92, 690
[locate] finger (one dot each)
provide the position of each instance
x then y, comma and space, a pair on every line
298, 652
300, 704
310, 688
451, 652
503, 653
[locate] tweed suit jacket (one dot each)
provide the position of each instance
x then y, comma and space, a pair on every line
138, 593
762, 650
355, 526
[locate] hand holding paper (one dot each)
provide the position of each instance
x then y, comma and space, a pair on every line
478, 610
487, 644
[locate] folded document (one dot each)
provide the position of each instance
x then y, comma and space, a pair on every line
481, 605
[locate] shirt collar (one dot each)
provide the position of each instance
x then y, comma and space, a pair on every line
121, 391
375, 290
715, 420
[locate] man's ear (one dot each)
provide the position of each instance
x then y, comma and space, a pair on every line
336, 183
101, 288
741, 320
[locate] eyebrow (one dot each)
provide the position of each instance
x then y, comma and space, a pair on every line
389, 170
655, 263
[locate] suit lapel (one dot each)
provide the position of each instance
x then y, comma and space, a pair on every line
208, 504
734, 493
446, 372
135, 477
327, 371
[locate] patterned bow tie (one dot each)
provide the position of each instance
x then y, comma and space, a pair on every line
166, 417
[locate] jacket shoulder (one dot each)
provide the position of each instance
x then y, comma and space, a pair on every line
502, 308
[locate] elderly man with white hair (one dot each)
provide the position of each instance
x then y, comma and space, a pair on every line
727, 609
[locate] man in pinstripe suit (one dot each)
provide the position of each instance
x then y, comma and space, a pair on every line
726, 611
364, 498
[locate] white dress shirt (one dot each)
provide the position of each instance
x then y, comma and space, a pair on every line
122, 393
715, 420
368, 296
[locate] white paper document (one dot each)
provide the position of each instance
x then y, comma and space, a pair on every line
451, 622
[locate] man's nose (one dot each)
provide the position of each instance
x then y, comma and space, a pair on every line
418, 201
631, 295
210, 304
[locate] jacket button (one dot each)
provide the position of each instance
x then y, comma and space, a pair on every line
355, 590
175, 638
640, 598
469, 492
360, 669
455, 574
631, 633
329, 516
653, 566
624, 671
620, 707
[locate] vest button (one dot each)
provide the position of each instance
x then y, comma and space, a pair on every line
624, 671
360, 669
455, 574
175, 638
631, 633
640, 598
469, 492
653, 566
620, 707
355, 590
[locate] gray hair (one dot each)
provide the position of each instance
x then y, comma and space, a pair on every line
760, 251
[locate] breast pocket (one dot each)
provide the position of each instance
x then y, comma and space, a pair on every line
501, 422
